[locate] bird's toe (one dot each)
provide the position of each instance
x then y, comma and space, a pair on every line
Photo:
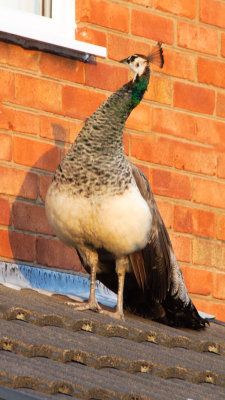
90, 305
116, 314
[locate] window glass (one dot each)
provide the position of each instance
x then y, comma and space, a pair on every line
38, 7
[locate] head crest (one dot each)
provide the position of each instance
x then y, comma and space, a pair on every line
156, 57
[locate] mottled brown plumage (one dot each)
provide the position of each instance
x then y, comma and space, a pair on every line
102, 205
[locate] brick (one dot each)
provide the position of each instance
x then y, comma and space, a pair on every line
45, 182
145, 3
6, 147
208, 253
187, 126
16, 182
19, 121
80, 103
159, 89
30, 217
53, 253
140, 118
120, 47
104, 76
203, 252
184, 8
61, 67
220, 253
64, 152
19, 57
210, 307
209, 192
219, 285
145, 149
197, 38
5, 212
75, 128
211, 72
179, 64
220, 104
150, 26
54, 129
194, 98
144, 169
166, 183
7, 84
221, 166
166, 210
82, 10
220, 227
35, 154
197, 281
38, 93
182, 247
173, 123
17, 245
195, 158
209, 131
4, 52
103, 13
89, 35
212, 12
59, 129
194, 221
223, 44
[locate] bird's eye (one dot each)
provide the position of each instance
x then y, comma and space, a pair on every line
137, 65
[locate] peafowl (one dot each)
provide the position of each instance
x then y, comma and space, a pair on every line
102, 204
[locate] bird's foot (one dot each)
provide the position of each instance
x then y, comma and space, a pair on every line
90, 305
116, 314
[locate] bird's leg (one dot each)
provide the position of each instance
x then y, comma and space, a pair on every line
122, 265
119, 307
92, 304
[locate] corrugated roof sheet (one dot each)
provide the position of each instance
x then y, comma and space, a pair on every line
51, 351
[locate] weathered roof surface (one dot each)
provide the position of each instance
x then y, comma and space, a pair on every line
48, 350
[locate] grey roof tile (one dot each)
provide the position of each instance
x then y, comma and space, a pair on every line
45, 396
52, 350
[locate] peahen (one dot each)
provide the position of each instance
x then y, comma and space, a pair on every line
102, 205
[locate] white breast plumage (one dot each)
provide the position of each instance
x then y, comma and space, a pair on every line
118, 223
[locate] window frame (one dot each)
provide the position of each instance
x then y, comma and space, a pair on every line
58, 32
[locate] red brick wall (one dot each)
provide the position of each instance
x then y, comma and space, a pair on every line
176, 135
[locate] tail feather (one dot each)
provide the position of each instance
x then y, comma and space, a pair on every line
171, 311
179, 315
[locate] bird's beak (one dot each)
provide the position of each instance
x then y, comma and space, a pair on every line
123, 61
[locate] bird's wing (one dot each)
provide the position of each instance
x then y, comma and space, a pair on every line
157, 289
152, 266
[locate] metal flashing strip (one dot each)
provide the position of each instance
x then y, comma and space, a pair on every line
206, 315
33, 44
46, 281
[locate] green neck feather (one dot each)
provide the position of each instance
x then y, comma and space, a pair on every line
140, 86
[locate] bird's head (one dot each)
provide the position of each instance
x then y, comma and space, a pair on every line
138, 62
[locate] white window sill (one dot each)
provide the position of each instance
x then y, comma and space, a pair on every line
42, 33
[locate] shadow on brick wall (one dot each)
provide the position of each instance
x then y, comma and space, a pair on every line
31, 238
